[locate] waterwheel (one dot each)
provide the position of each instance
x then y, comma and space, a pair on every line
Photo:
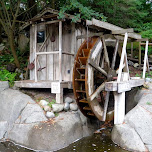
94, 65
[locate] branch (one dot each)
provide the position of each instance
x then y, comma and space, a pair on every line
5, 12
16, 14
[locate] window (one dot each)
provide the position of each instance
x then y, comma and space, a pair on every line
40, 36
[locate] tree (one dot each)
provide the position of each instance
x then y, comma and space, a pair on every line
8, 14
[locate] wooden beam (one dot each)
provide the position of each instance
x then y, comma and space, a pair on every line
145, 59
139, 57
110, 27
150, 44
60, 51
67, 53
125, 85
117, 32
140, 40
89, 35
122, 57
45, 53
50, 22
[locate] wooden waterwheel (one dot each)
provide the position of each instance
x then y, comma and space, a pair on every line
94, 65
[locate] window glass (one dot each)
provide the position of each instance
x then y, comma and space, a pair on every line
40, 36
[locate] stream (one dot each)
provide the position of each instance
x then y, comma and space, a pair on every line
97, 142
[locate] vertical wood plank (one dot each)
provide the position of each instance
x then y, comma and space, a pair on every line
35, 46
145, 59
60, 51
139, 59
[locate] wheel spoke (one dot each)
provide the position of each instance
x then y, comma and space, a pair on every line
106, 52
94, 65
106, 106
115, 55
97, 91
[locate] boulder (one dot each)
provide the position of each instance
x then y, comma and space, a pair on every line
24, 122
73, 106
43, 103
136, 65
127, 138
3, 128
51, 135
68, 99
12, 103
47, 108
50, 114
66, 106
57, 107
137, 124
4, 85
32, 113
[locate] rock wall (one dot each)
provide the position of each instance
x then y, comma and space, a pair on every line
135, 134
24, 122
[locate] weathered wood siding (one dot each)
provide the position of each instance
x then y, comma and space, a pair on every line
51, 61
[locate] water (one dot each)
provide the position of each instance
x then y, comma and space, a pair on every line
95, 143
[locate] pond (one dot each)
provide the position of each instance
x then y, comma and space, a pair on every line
97, 142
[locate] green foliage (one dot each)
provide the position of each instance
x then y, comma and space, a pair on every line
52, 102
79, 11
149, 103
5, 75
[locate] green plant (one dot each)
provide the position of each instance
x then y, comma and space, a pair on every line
52, 102
149, 103
5, 75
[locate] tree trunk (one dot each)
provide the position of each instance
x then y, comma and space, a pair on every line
12, 46
0, 34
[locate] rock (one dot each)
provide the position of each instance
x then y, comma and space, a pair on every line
50, 114
68, 99
32, 113
2, 46
143, 128
73, 106
137, 122
136, 65
130, 63
57, 107
127, 138
43, 103
67, 128
149, 147
4, 85
66, 106
148, 80
3, 128
47, 108
12, 103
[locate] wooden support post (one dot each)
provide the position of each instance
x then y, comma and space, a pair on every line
35, 47
145, 59
60, 51
139, 54
132, 47
59, 96
119, 108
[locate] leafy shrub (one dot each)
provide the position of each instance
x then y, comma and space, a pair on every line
5, 75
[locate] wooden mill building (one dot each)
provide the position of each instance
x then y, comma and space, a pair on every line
53, 45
